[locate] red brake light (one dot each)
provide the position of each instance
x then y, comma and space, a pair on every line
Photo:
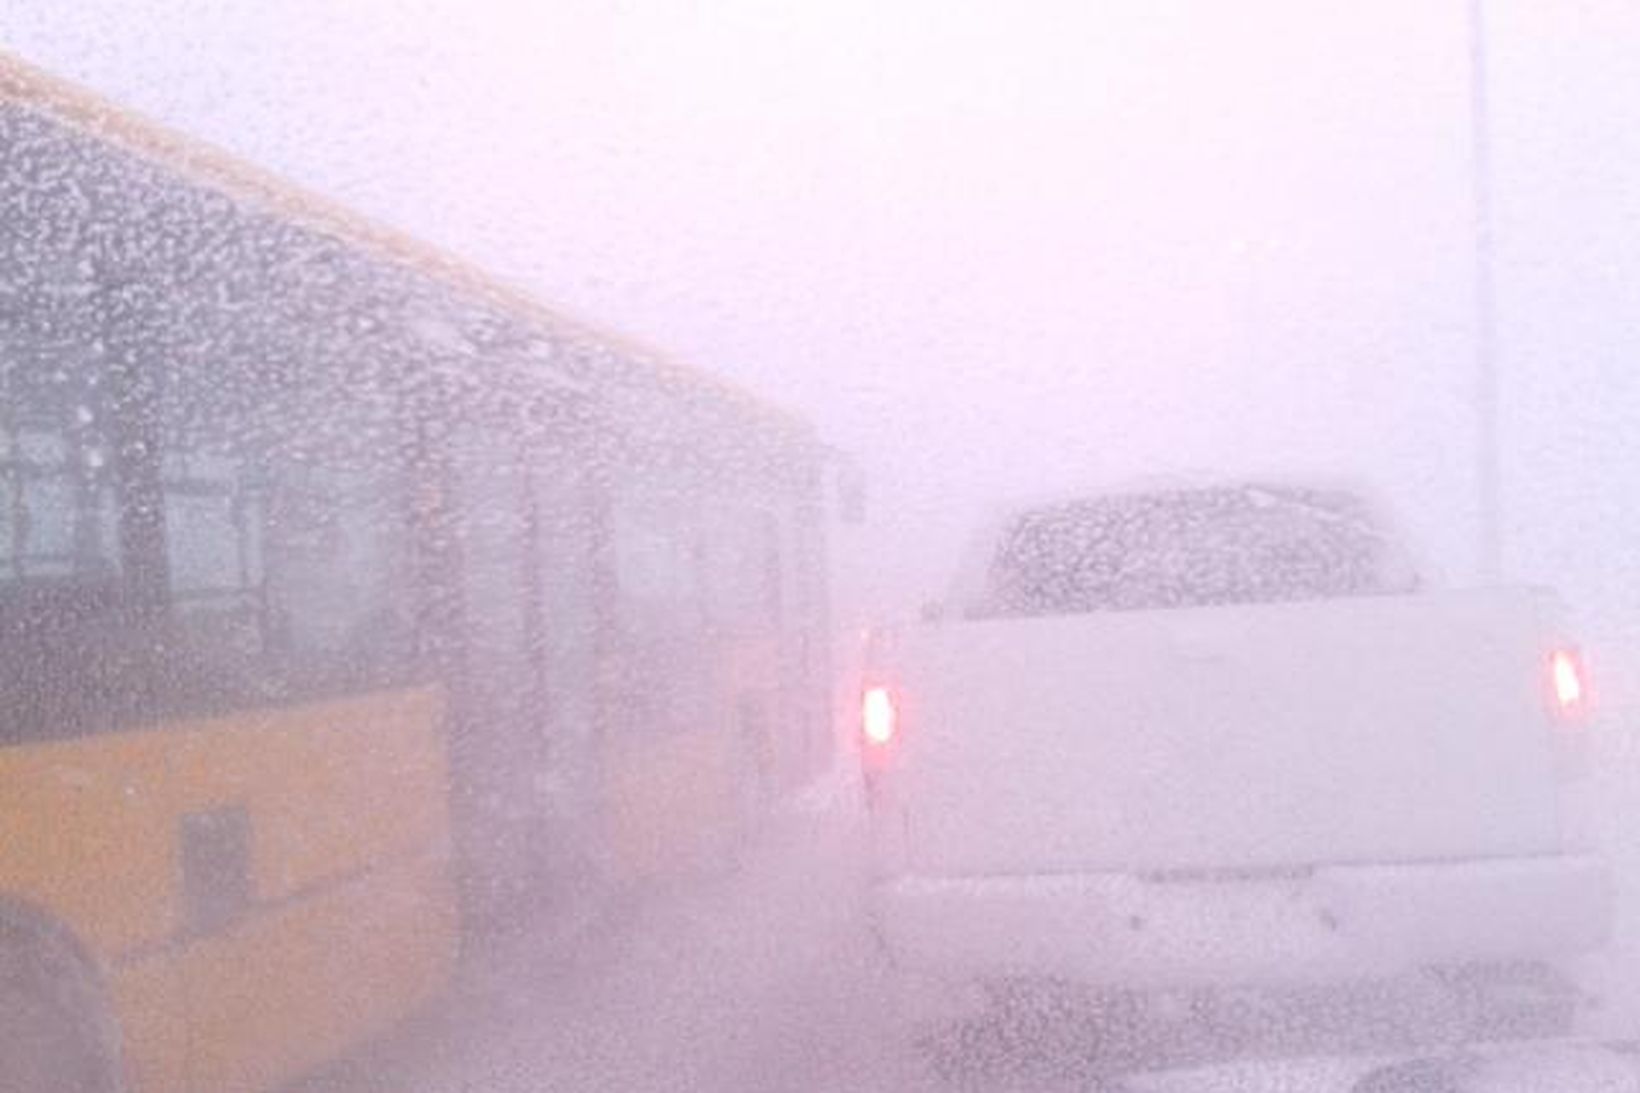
1568, 682
878, 717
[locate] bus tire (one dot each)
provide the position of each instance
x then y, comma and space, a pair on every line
54, 1030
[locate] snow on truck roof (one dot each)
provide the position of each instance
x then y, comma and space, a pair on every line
202, 164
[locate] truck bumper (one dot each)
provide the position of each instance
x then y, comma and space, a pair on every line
1325, 923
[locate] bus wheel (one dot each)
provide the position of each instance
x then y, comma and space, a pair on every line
49, 1036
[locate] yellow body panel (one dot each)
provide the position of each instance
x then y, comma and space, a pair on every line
285, 991
330, 788
87, 834
351, 916
673, 801
149, 1003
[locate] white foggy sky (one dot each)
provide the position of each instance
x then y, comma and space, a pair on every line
1000, 248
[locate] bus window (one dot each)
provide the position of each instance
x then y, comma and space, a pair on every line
566, 538
663, 682
283, 585
59, 568
566, 548
655, 564
337, 557
213, 529
743, 570
493, 541
56, 498
215, 517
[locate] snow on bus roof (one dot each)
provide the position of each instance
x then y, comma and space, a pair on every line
204, 164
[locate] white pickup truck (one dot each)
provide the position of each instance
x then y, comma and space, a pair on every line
1223, 736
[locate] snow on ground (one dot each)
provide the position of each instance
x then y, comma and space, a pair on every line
761, 982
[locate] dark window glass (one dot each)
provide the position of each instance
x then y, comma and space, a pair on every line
56, 488
215, 525
69, 661
338, 562
287, 580
1189, 548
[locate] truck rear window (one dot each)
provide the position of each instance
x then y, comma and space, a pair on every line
1189, 548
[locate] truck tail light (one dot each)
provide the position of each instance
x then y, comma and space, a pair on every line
1568, 683
879, 718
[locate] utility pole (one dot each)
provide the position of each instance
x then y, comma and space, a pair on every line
1487, 463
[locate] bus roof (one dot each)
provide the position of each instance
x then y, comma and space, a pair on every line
207, 165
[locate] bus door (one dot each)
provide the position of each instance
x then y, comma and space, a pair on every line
497, 745
743, 563
665, 760
565, 533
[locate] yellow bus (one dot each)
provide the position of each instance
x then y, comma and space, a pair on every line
353, 609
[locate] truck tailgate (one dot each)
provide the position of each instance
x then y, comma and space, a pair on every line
1257, 737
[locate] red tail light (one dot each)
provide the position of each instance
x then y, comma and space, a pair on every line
878, 716
1568, 683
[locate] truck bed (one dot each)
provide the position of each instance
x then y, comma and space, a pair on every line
1250, 739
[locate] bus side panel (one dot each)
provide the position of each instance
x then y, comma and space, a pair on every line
329, 789
148, 1004
287, 990
350, 918
86, 835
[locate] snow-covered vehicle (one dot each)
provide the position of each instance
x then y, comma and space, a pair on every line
1226, 736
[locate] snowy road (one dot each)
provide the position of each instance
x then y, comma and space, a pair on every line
762, 981
766, 982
